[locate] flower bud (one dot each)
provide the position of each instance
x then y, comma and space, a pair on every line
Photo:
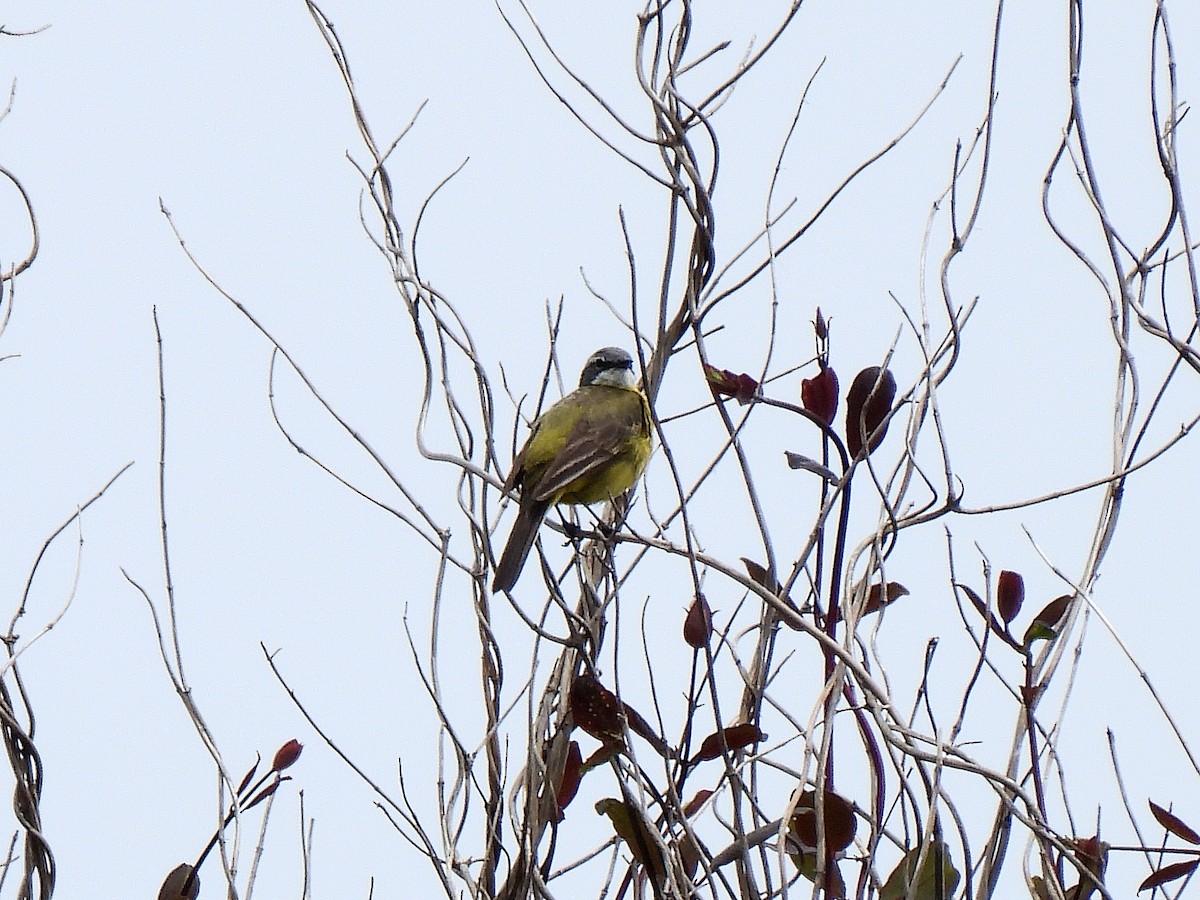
286, 755
697, 627
867, 406
1010, 594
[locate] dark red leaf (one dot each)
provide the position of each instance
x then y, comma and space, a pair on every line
867, 406
819, 394
693, 805
601, 755
994, 625
1169, 873
689, 855
724, 383
840, 823
249, 777
596, 709
287, 755
266, 792
876, 599
641, 727
1093, 853
1010, 594
568, 785
759, 575
697, 627
762, 577
1045, 624
1174, 824
975, 599
736, 737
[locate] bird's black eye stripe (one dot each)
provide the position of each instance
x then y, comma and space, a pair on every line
610, 359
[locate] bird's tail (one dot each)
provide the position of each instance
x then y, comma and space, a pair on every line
520, 542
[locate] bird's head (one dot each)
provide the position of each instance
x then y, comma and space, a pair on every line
611, 366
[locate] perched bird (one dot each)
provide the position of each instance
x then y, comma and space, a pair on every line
590, 446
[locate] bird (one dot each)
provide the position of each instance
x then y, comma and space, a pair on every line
590, 446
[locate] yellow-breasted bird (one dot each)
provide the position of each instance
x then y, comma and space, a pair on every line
590, 446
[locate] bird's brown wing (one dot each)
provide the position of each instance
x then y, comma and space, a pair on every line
590, 446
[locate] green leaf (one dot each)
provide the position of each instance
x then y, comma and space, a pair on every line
936, 879
631, 826
181, 884
1044, 626
835, 885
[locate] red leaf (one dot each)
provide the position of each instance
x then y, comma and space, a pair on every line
736, 738
249, 777
840, 824
867, 406
1010, 594
572, 774
641, 727
697, 627
689, 855
724, 383
1093, 853
596, 709
978, 603
760, 576
266, 792
601, 755
1169, 873
693, 805
1174, 824
1045, 624
819, 394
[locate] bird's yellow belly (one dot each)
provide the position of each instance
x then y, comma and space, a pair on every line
618, 477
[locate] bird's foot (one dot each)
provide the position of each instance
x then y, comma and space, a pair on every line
574, 534
600, 531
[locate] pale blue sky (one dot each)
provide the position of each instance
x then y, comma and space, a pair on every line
234, 116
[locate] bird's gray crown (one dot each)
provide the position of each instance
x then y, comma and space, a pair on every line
609, 365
